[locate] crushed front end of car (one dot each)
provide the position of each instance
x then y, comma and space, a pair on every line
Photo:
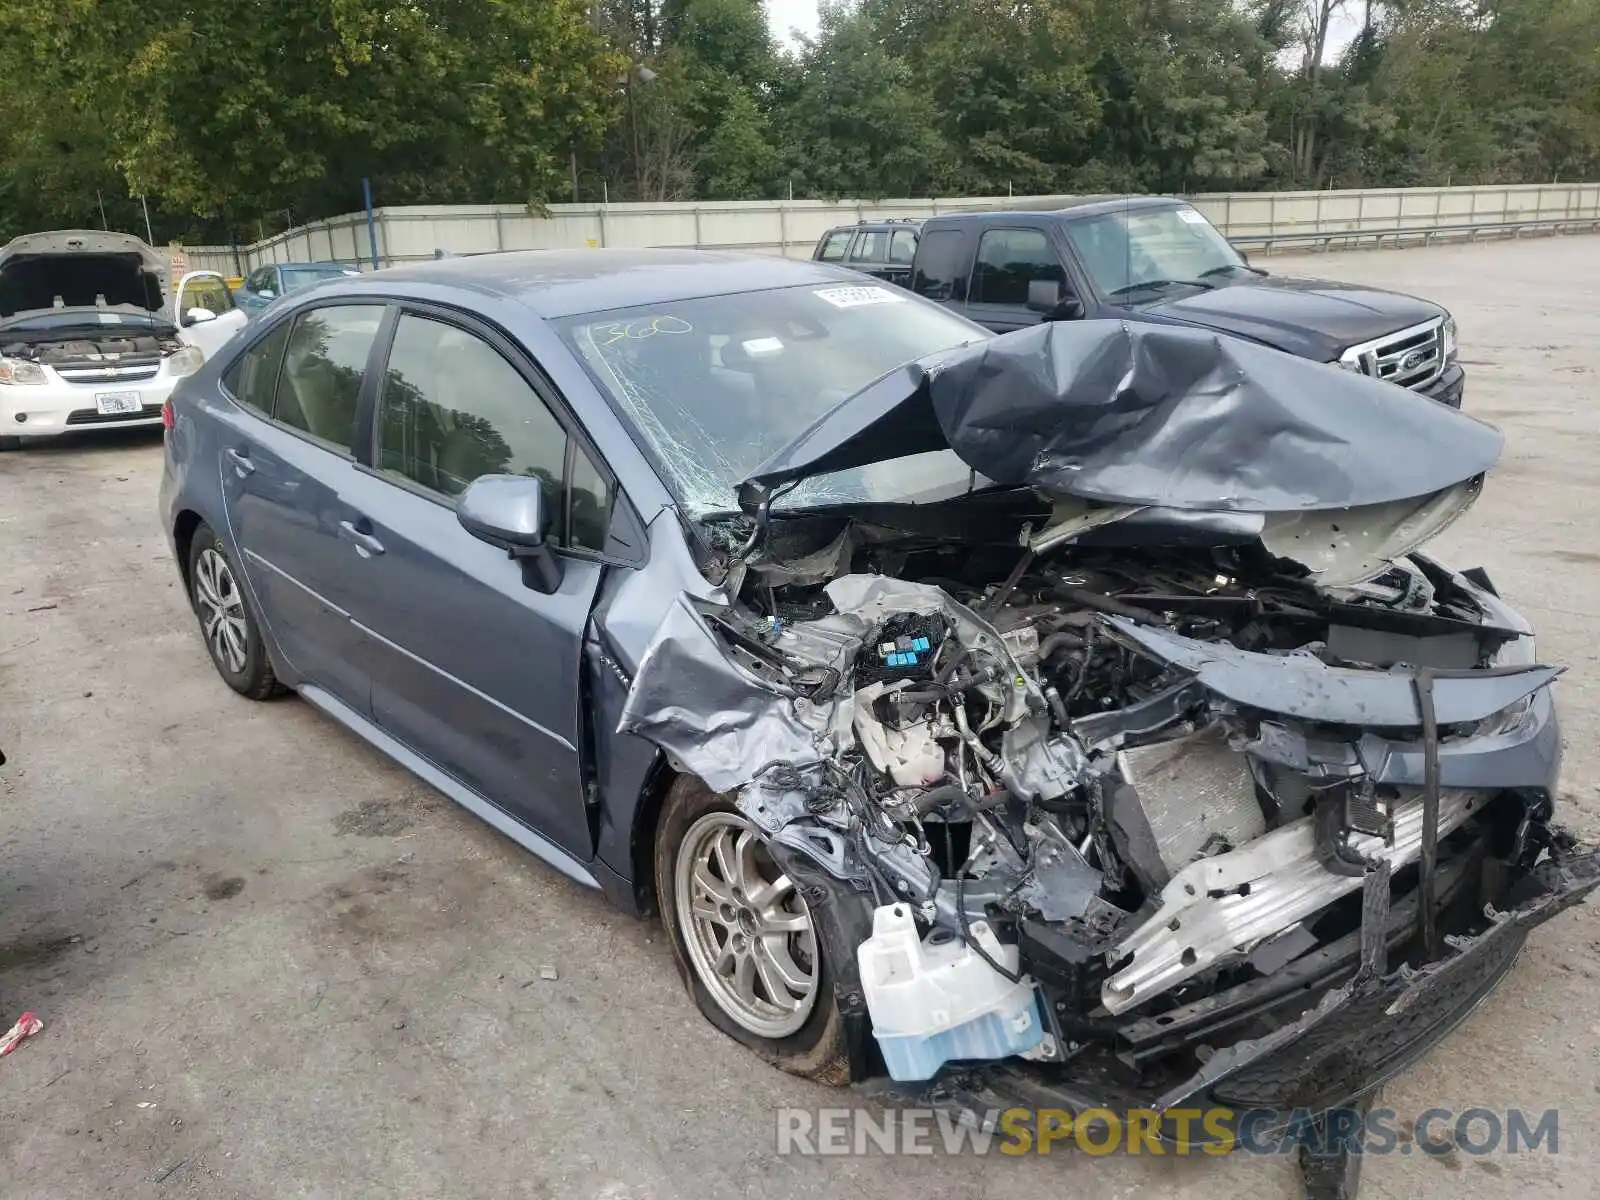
1173, 773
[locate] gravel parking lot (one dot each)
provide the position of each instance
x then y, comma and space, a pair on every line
272, 964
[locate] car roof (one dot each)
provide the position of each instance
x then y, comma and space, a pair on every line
911, 223
561, 283
1076, 206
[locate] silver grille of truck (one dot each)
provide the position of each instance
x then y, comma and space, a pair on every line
1412, 357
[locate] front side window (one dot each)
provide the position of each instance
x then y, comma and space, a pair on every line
872, 247
319, 388
834, 246
1009, 260
939, 265
452, 408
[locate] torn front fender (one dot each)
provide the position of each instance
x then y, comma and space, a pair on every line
715, 718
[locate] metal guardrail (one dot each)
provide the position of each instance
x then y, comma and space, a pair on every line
1324, 239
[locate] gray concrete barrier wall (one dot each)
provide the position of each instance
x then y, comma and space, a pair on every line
1256, 219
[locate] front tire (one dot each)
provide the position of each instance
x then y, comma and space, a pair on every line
744, 937
227, 623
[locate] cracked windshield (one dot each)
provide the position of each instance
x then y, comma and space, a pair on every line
718, 385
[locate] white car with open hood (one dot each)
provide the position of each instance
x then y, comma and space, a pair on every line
93, 335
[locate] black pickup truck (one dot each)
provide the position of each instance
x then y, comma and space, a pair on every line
1151, 259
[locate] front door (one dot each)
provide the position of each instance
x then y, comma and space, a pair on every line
471, 668
205, 292
287, 472
1008, 260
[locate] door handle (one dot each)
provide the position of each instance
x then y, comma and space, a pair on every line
240, 460
366, 545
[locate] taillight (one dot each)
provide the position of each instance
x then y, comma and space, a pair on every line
168, 420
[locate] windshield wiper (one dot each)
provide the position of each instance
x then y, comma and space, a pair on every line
1151, 284
1232, 267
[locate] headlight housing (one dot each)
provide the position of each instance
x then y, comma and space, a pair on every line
20, 372
1449, 335
185, 361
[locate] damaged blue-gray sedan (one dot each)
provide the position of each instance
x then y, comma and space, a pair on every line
1070, 717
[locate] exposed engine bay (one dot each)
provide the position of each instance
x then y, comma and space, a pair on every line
73, 349
1045, 753
1146, 791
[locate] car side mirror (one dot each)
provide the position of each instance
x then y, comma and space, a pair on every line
198, 316
1044, 296
512, 512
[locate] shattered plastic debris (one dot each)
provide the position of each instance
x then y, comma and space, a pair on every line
27, 1025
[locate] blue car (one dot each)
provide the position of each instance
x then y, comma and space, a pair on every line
1057, 703
265, 284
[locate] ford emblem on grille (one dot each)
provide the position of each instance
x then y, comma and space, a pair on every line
1413, 360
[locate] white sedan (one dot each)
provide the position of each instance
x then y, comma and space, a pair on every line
91, 334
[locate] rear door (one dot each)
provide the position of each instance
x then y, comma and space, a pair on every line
471, 668
287, 472
1007, 261
201, 292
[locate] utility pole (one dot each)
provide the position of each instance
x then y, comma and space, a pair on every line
149, 237
104, 224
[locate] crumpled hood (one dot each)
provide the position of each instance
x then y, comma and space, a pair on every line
1150, 416
1311, 318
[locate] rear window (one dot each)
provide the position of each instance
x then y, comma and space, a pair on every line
253, 377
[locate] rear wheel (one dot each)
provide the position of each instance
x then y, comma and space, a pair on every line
10, 442
227, 623
744, 938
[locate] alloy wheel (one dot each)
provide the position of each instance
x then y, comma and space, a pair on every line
221, 609
747, 929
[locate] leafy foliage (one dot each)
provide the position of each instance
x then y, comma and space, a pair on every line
232, 118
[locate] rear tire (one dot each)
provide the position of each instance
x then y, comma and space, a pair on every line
227, 622
10, 442
762, 920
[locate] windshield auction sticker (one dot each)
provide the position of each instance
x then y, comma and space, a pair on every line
855, 297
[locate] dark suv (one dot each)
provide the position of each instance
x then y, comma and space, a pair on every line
885, 249
1153, 260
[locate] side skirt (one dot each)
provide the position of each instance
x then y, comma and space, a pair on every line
485, 810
